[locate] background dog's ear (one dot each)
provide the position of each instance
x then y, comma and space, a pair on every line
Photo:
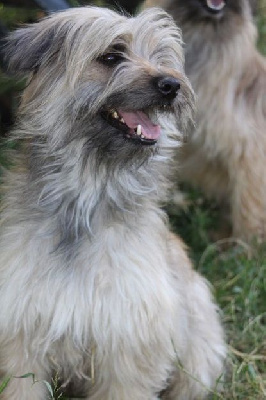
27, 48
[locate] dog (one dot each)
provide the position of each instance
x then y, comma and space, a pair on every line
225, 155
93, 286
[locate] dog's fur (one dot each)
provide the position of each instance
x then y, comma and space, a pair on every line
227, 151
92, 284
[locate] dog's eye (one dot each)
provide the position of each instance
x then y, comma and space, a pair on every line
111, 59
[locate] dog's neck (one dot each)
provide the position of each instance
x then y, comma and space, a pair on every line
219, 45
81, 201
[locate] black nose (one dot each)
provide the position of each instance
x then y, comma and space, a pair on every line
168, 86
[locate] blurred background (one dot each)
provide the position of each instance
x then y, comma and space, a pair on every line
236, 270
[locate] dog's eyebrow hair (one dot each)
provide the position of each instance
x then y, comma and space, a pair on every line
119, 47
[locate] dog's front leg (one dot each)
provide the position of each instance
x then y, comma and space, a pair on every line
113, 388
124, 374
16, 363
199, 365
248, 199
116, 393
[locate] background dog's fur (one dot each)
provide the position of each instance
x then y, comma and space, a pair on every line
225, 155
90, 278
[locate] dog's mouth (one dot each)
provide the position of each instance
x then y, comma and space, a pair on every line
215, 6
135, 126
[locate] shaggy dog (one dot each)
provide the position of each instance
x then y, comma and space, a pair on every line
93, 286
226, 154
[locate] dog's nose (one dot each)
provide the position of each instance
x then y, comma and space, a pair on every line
168, 86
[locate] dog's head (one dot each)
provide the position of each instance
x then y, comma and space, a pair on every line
209, 10
102, 78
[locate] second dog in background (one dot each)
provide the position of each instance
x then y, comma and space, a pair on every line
226, 153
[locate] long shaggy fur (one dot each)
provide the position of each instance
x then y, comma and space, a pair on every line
225, 155
93, 286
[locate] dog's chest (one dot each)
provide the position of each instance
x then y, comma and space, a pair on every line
119, 285
215, 77
124, 283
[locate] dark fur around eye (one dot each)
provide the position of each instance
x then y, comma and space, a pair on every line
113, 56
111, 59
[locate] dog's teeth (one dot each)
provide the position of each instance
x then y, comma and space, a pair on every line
115, 115
139, 130
142, 136
122, 120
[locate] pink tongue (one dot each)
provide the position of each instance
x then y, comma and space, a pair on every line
216, 3
148, 129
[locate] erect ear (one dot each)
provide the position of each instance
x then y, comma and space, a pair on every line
27, 48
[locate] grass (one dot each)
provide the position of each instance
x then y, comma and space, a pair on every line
261, 22
53, 388
238, 274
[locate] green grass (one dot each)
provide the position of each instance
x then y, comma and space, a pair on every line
237, 272
53, 388
261, 21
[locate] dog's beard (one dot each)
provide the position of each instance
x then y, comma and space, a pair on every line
112, 146
125, 127
116, 137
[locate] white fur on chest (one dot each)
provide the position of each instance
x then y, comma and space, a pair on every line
114, 289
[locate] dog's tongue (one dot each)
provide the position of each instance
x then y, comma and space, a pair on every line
133, 119
216, 4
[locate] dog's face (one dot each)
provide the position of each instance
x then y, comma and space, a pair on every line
208, 10
101, 77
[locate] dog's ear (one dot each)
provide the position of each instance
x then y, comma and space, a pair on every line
27, 48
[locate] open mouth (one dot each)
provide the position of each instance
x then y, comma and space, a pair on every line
215, 6
135, 126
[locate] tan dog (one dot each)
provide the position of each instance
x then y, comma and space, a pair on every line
92, 284
226, 153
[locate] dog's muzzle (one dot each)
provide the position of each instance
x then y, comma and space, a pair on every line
215, 6
136, 125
